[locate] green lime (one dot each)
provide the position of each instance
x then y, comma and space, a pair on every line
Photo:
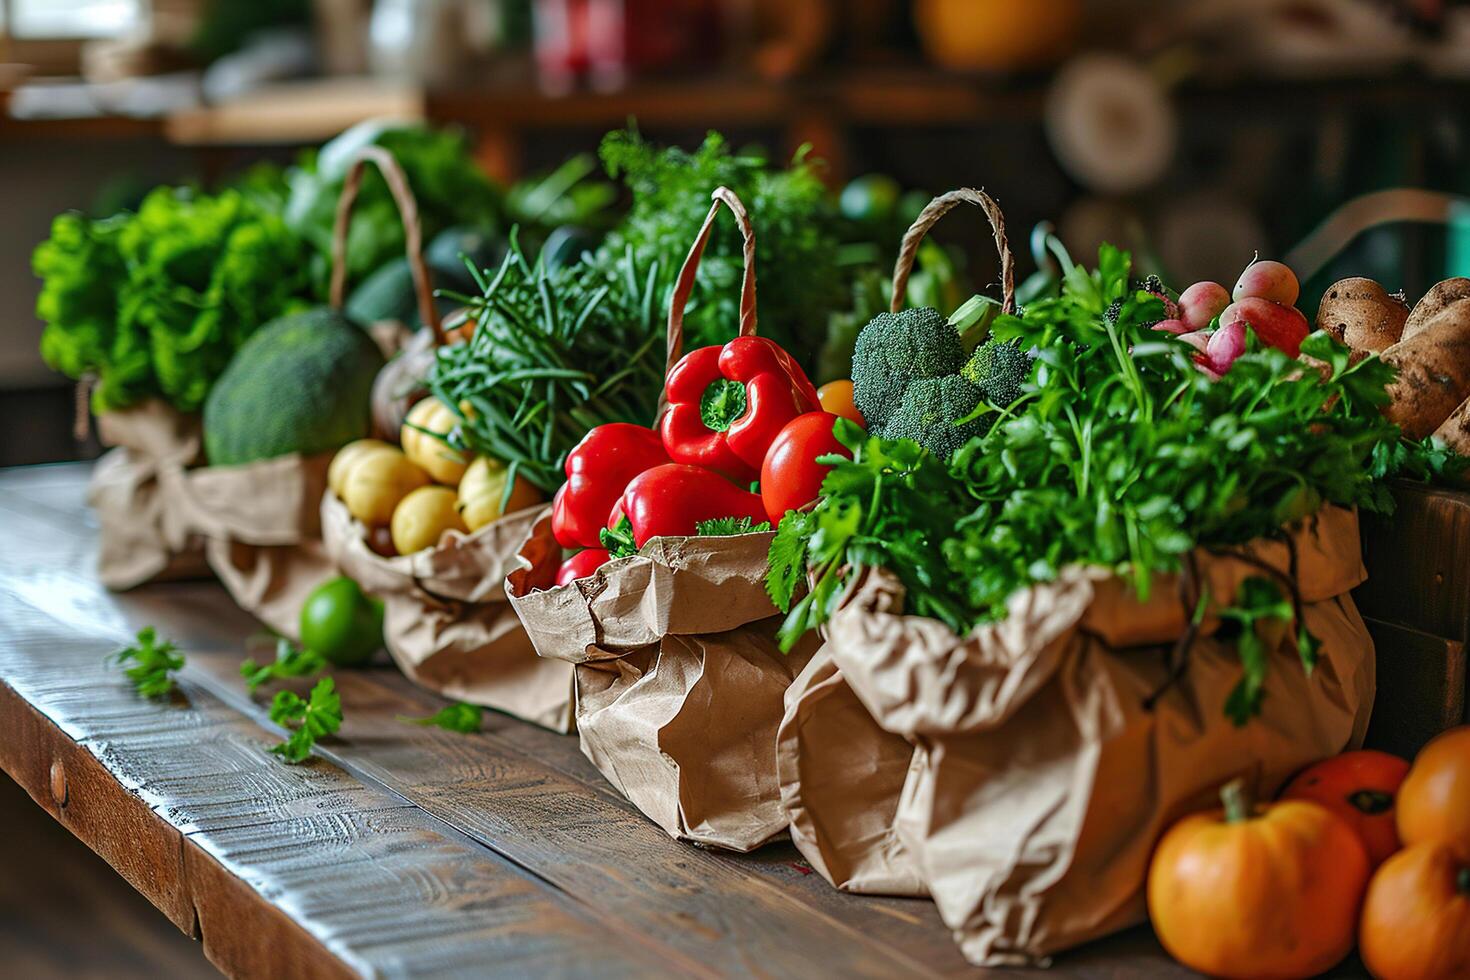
341, 623
870, 199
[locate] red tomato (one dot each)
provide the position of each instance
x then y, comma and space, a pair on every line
791, 477
581, 565
1360, 787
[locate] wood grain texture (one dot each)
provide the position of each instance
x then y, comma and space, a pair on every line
401, 850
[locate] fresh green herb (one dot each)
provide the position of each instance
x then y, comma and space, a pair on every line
1258, 600
1118, 453
555, 353
154, 304
150, 663
291, 661
618, 540
721, 527
458, 717
797, 265
309, 719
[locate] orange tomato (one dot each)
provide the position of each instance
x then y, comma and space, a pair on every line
1434, 801
1416, 918
836, 397
1260, 892
1360, 788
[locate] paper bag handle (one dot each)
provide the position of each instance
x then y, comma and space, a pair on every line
927, 218
413, 233
685, 284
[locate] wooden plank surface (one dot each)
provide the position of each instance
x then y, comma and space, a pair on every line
401, 851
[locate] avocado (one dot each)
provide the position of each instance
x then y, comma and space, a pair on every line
301, 384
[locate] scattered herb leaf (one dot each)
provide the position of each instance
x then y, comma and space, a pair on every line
291, 661
152, 661
309, 719
457, 717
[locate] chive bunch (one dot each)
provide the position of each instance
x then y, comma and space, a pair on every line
555, 352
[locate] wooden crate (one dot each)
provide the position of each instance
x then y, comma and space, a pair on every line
1417, 606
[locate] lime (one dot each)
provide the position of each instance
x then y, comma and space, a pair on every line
341, 623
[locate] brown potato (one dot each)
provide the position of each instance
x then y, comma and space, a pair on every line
1362, 314
1434, 373
1441, 295
1454, 432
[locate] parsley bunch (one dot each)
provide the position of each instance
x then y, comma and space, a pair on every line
1118, 453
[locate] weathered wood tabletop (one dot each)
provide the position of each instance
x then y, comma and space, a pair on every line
400, 850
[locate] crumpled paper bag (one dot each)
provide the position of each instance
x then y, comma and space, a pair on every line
446, 620
679, 679
1043, 778
162, 515
841, 775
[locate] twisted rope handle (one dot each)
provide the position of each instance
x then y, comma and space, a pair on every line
926, 220
685, 284
413, 233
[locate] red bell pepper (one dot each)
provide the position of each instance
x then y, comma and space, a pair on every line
582, 564
671, 500
727, 404
598, 469
791, 477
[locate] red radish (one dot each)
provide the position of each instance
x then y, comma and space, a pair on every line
1154, 286
1267, 280
1226, 344
1200, 341
1172, 326
1278, 326
1201, 303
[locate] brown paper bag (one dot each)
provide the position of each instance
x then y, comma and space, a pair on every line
447, 621
129, 489
1053, 750
841, 775
679, 680
162, 516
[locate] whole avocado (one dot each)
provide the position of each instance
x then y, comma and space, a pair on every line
301, 384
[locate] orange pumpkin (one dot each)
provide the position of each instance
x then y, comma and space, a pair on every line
1359, 787
1416, 918
1434, 801
1258, 892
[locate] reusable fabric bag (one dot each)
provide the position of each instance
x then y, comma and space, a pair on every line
679, 679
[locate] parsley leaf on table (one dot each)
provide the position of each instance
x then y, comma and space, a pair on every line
152, 663
724, 527
291, 661
309, 719
457, 717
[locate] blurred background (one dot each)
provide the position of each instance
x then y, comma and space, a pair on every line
1194, 132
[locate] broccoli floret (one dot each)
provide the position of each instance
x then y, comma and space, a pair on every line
998, 368
895, 349
929, 411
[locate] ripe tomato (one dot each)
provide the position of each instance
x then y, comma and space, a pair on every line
791, 477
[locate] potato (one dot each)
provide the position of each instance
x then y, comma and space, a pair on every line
482, 488
1362, 314
1454, 431
346, 456
1443, 294
443, 464
422, 517
377, 481
1434, 372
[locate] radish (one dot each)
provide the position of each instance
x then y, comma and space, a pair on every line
1278, 326
1201, 303
1268, 280
1225, 345
1172, 326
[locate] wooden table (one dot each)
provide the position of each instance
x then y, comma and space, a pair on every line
400, 850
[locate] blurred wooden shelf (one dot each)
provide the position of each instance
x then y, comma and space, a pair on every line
295, 113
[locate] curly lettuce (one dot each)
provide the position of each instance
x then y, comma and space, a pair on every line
154, 304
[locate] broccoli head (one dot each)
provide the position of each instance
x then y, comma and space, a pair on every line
998, 368
895, 349
929, 411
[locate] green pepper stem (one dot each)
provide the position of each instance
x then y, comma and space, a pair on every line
1236, 800
722, 403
